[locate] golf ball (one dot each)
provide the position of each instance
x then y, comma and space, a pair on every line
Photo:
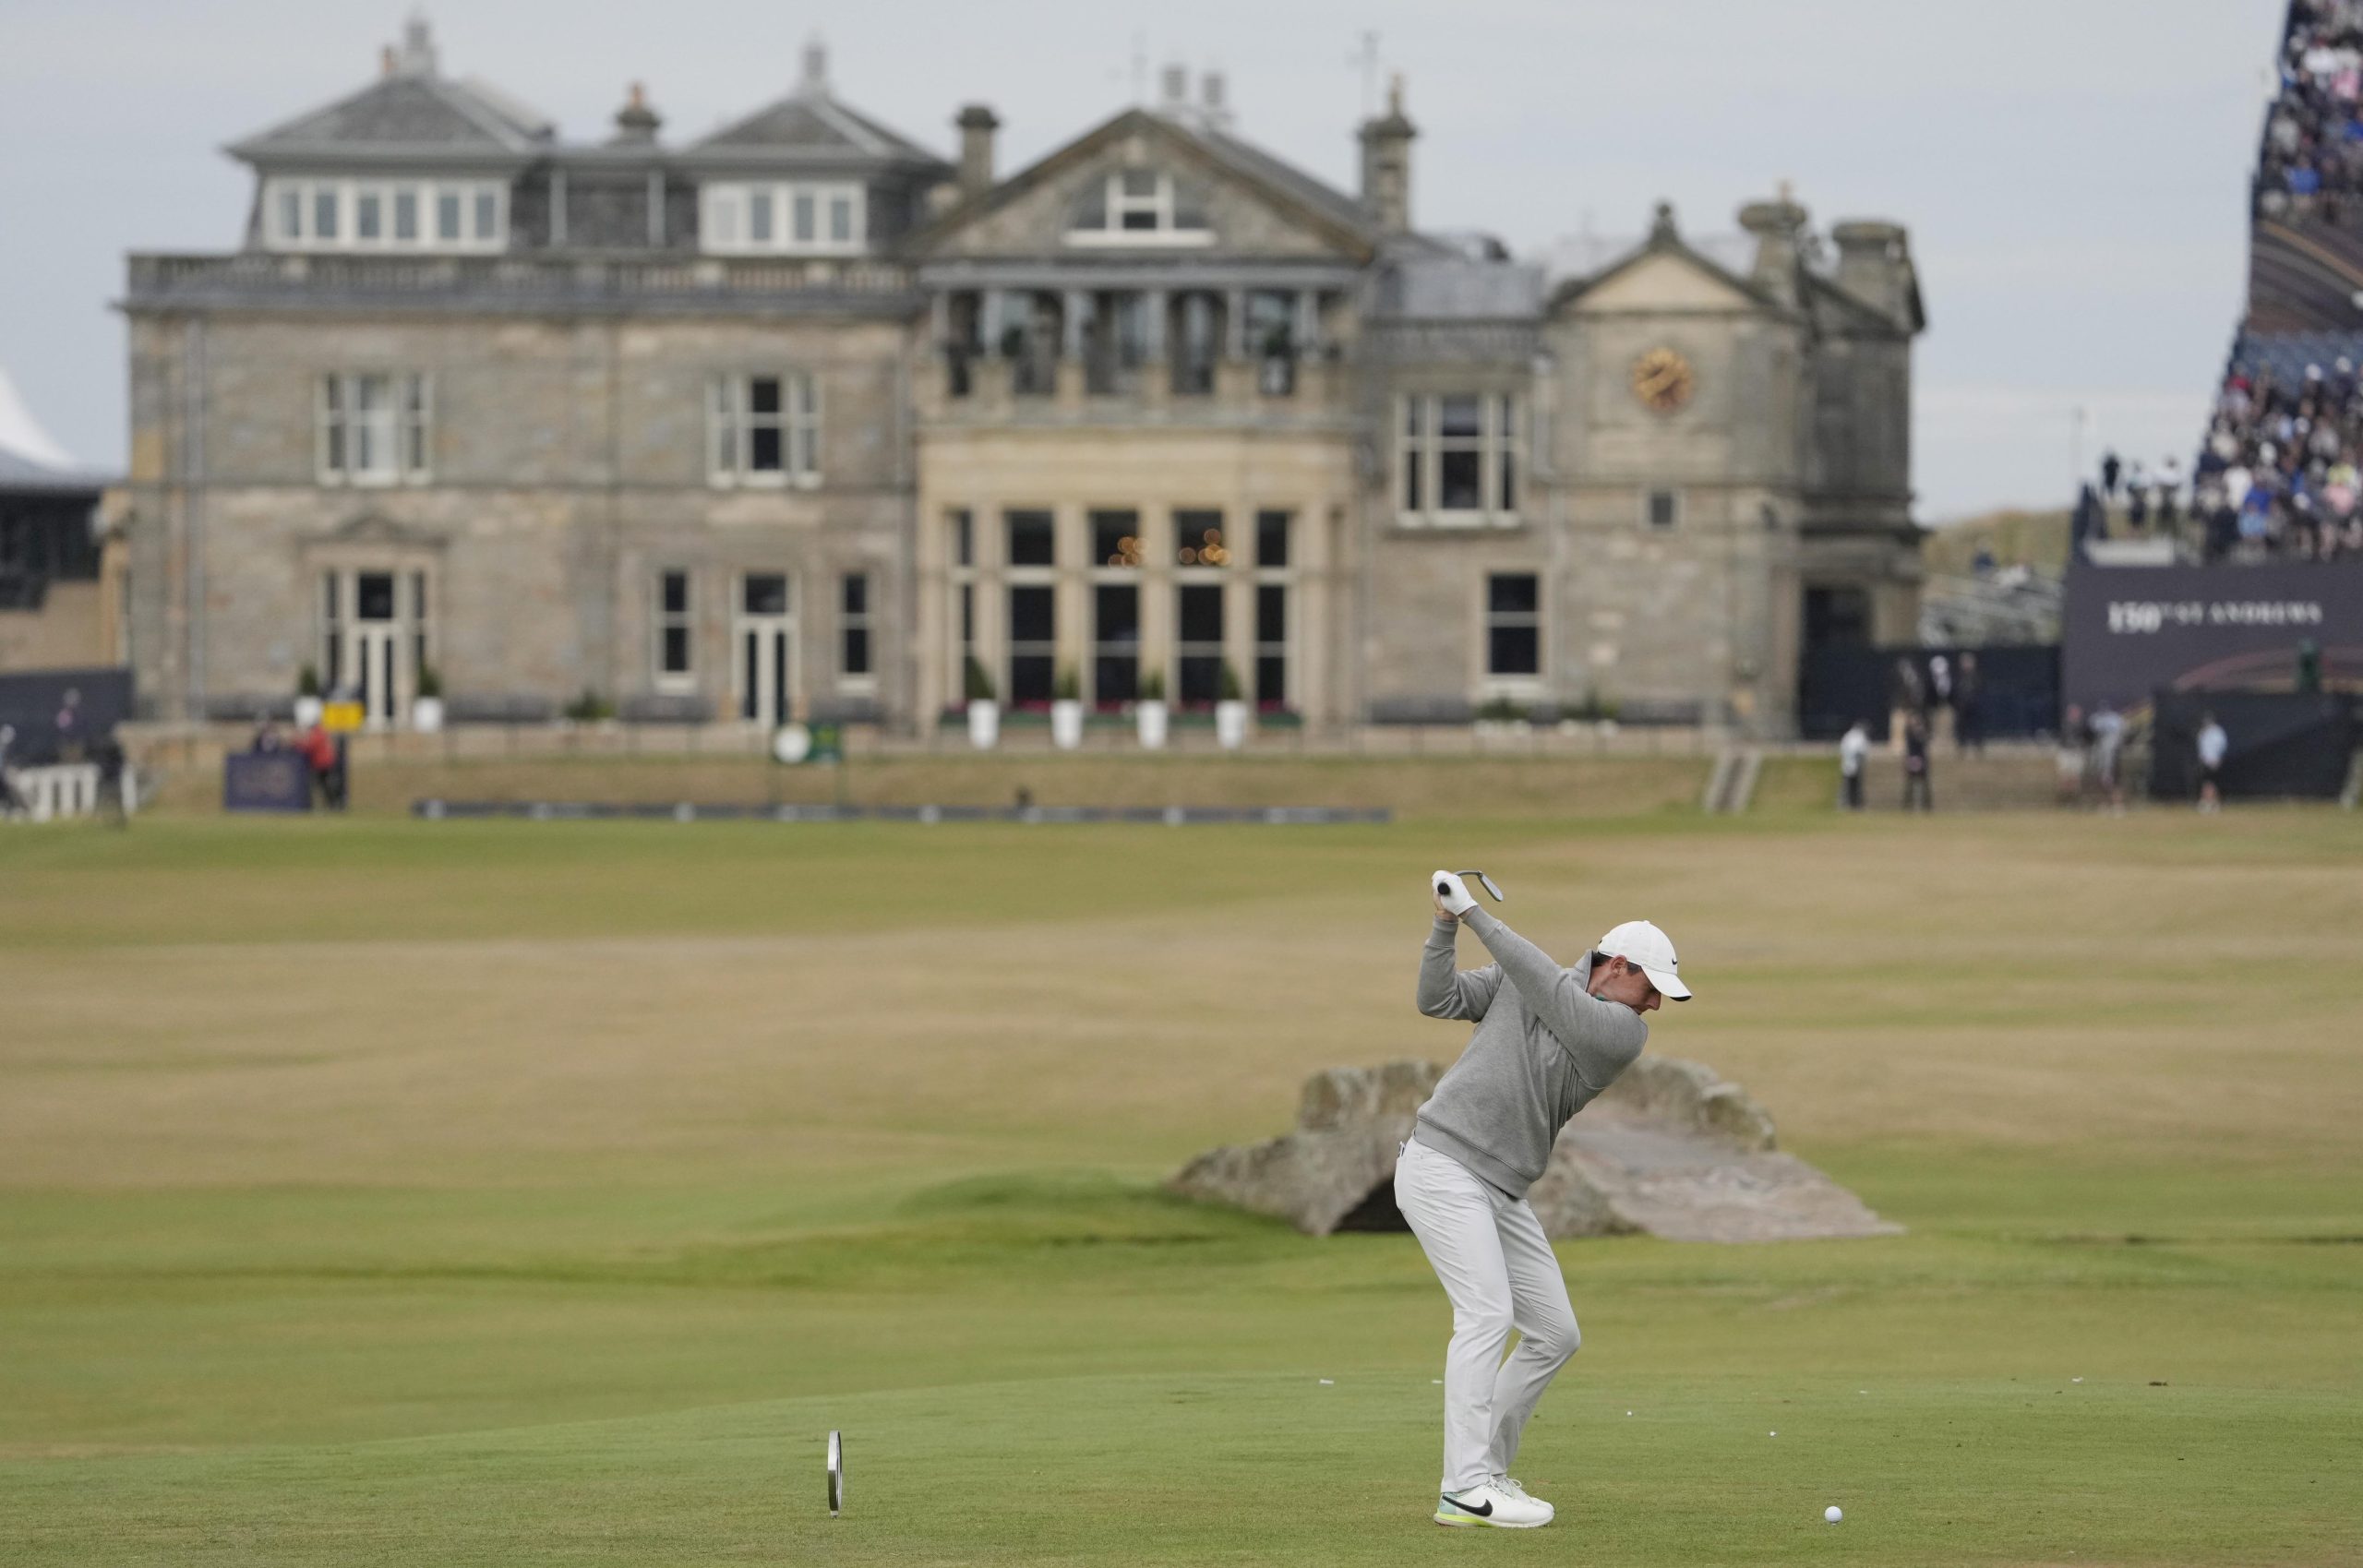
1832, 1514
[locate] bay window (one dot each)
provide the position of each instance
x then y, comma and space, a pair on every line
783, 217
420, 215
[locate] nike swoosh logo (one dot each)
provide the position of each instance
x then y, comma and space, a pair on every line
1484, 1513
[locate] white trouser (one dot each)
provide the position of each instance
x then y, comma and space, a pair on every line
1497, 1267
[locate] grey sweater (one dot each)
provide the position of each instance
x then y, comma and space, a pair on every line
1544, 1046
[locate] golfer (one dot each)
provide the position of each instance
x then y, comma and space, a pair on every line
1548, 1040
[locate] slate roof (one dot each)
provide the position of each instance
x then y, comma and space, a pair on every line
813, 123
1247, 158
1463, 289
410, 115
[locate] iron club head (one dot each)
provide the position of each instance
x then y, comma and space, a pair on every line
1486, 882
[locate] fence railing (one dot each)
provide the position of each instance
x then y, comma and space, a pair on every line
49, 794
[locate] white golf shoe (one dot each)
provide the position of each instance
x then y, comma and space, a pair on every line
1499, 1503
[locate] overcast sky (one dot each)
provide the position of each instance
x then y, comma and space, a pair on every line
2073, 171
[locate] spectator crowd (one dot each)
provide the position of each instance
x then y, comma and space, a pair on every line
2277, 475
2313, 161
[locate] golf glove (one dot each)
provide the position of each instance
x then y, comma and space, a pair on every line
1452, 894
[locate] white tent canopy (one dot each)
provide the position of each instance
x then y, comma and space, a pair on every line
22, 436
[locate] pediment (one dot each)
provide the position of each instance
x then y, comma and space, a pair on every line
371, 526
1660, 280
1214, 194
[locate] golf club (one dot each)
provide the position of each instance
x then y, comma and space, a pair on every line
1482, 880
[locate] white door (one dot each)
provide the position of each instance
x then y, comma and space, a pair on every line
766, 662
377, 655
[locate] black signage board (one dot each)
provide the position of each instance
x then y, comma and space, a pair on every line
2128, 631
2279, 746
31, 702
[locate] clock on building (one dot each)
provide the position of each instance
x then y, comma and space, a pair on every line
1664, 381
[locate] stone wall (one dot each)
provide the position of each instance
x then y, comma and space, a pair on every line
569, 465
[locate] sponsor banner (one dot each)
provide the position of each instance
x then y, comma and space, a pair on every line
2128, 631
266, 780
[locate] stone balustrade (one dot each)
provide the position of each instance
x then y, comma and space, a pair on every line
524, 283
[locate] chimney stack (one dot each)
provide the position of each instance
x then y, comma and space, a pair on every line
1386, 164
1875, 266
1213, 101
416, 56
1176, 80
977, 123
1779, 226
636, 123
815, 82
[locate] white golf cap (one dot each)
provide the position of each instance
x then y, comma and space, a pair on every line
1639, 943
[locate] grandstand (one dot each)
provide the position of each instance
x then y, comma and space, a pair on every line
2276, 476
2249, 602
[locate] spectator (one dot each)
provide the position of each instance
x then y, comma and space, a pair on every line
1854, 752
2074, 734
1907, 699
1940, 706
2108, 746
319, 753
2137, 497
2110, 469
2213, 743
68, 726
1969, 707
115, 802
9, 804
265, 736
1915, 764
2169, 493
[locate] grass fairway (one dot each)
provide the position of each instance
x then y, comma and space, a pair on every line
376, 1191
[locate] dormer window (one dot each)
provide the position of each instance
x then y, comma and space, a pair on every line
394, 214
1139, 207
746, 217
